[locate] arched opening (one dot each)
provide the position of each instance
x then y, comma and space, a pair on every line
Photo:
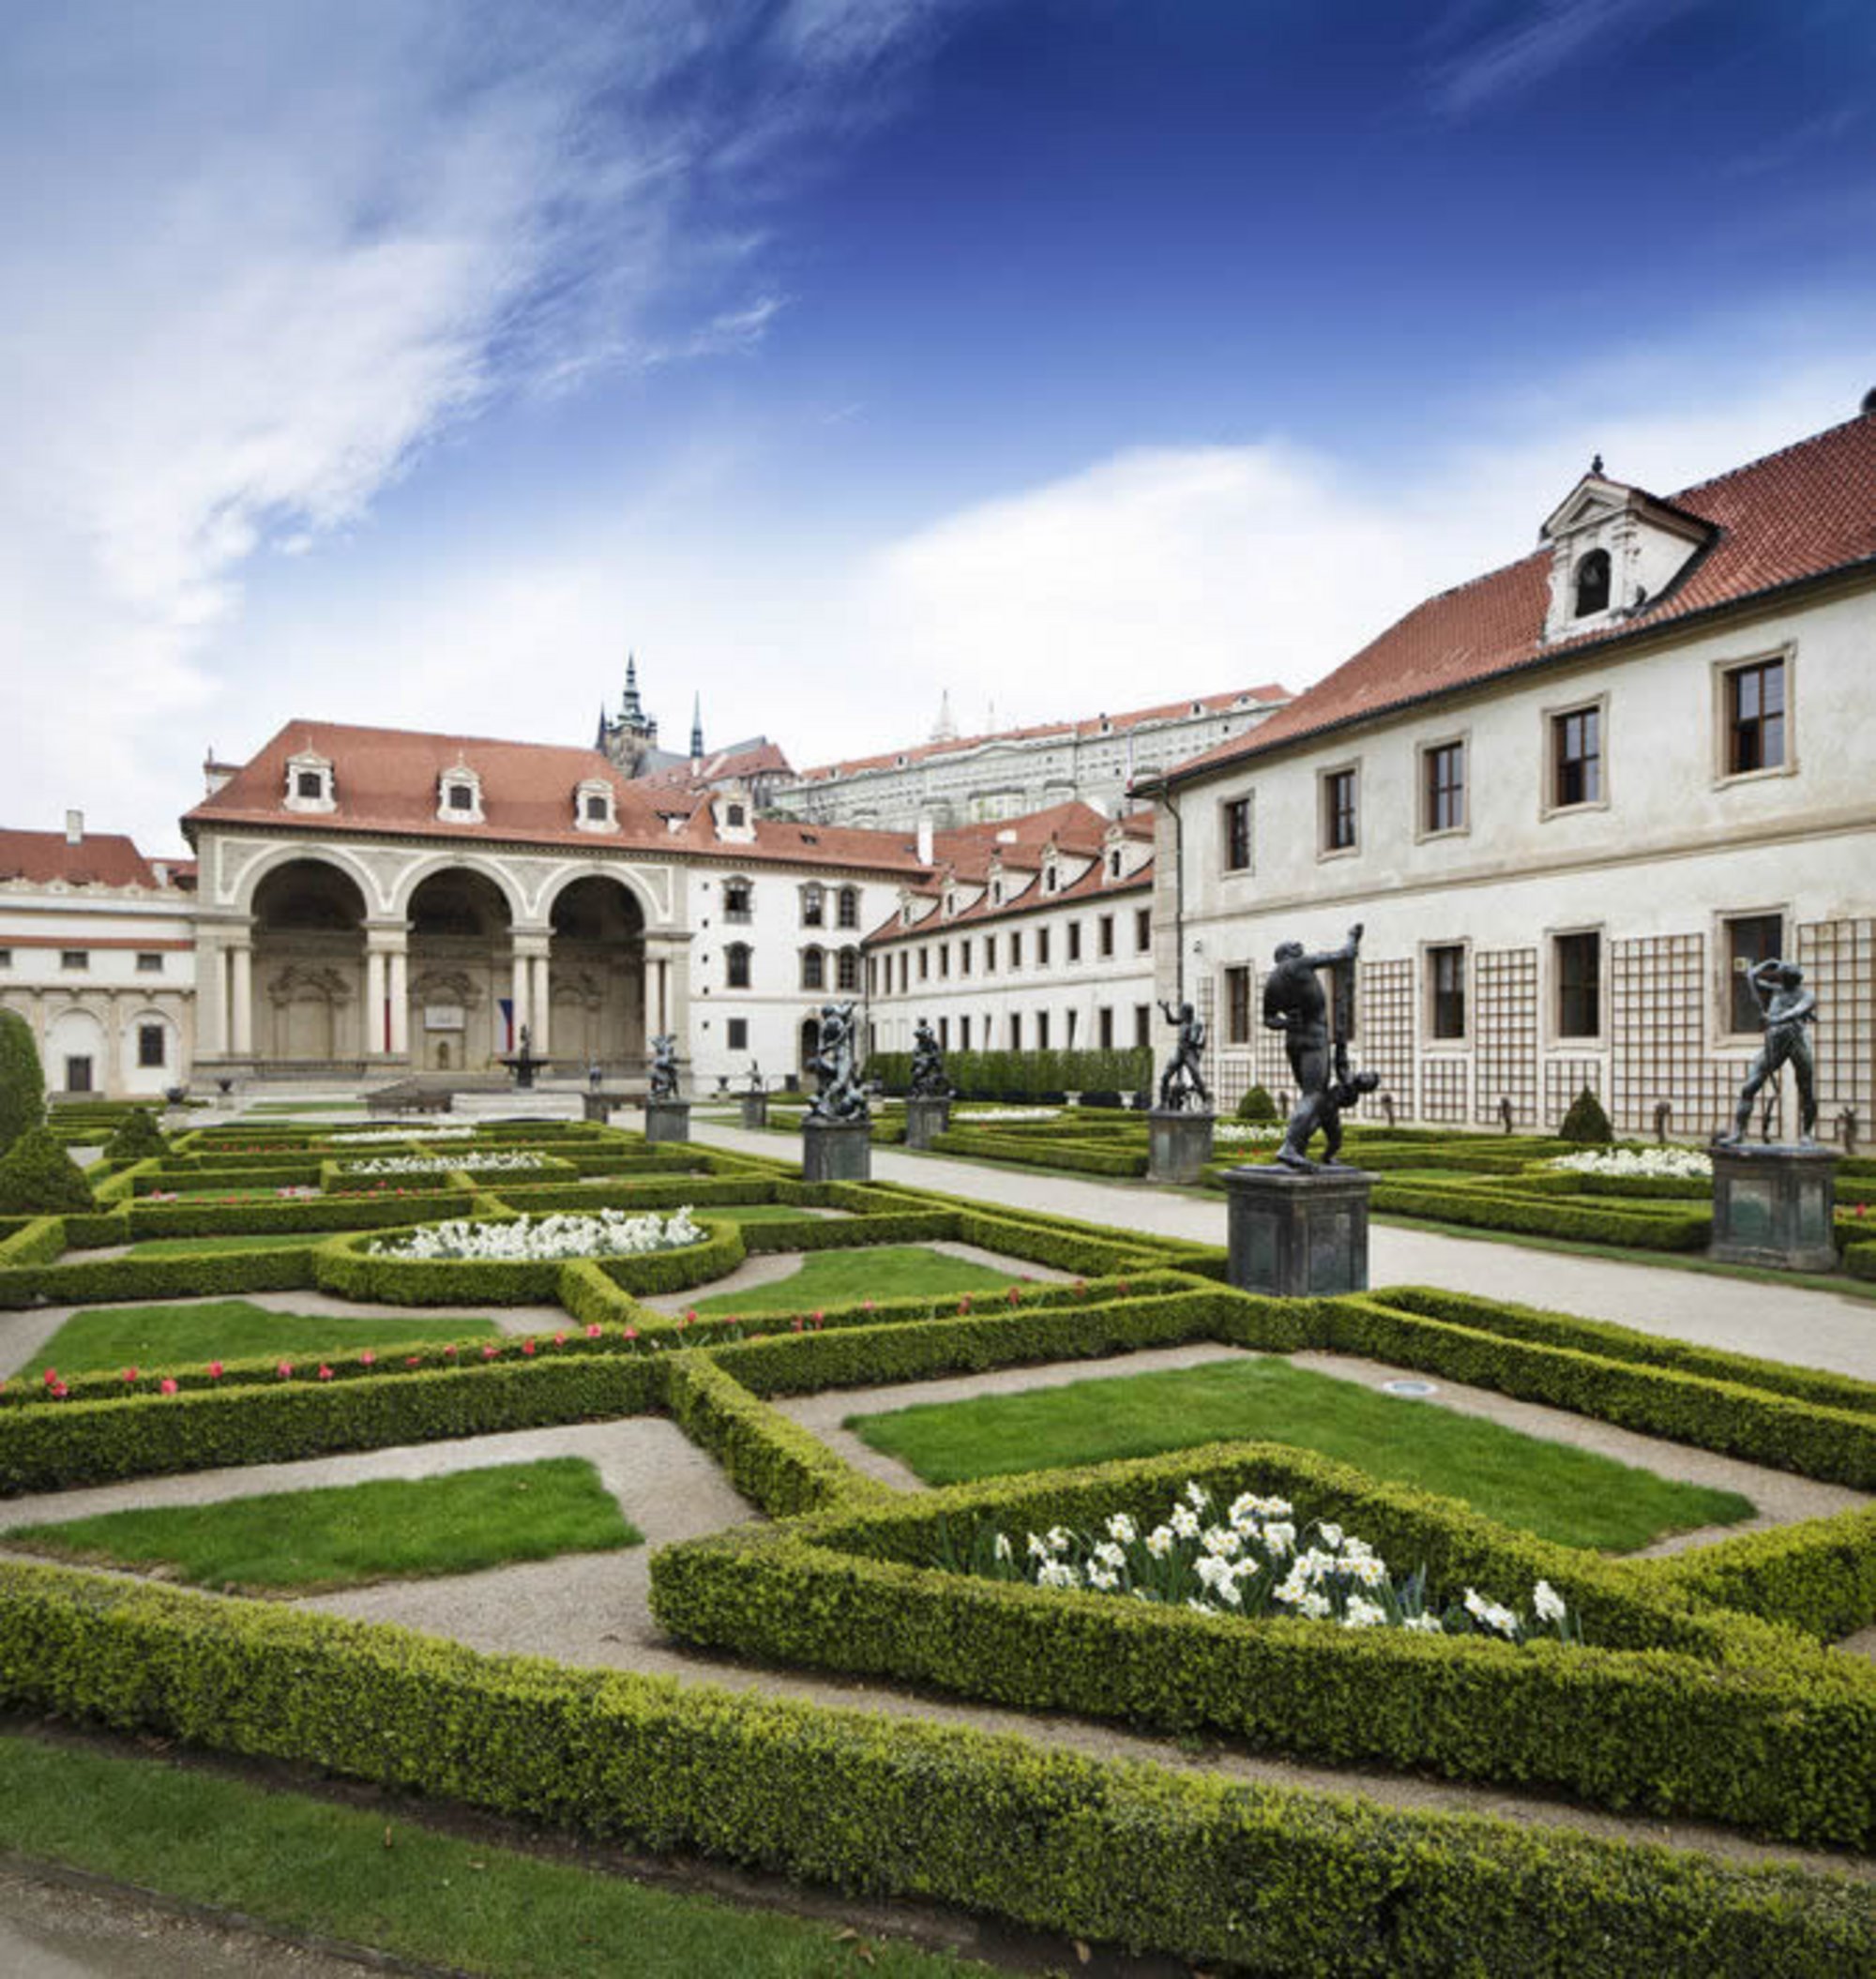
309, 969
596, 966
1592, 579
74, 1053
461, 972
810, 1046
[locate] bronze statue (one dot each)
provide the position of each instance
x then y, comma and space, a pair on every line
928, 1064
1295, 1005
756, 1083
840, 1097
1785, 1007
664, 1066
1182, 1084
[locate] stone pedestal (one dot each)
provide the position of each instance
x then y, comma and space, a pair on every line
597, 1105
755, 1110
1178, 1145
837, 1150
1297, 1235
667, 1120
1774, 1206
925, 1120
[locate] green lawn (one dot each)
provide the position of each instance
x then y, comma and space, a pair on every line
1559, 1493
751, 1211
394, 1529
437, 1901
195, 1246
157, 1337
845, 1277
227, 1195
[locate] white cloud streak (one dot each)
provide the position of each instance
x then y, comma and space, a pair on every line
1545, 35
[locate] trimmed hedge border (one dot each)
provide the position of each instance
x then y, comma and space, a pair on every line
1278, 1882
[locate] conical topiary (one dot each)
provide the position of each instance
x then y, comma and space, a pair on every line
1257, 1105
22, 1085
138, 1138
38, 1178
1585, 1119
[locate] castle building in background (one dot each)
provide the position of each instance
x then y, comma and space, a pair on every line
954, 780
1571, 802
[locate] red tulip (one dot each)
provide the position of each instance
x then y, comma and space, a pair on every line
489, 1351
324, 1372
215, 1371
167, 1385
527, 1348
368, 1359
284, 1370
129, 1374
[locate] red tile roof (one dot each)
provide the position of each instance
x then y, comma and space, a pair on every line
743, 762
384, 780
1799, 513
1091, 886
1090, 727
99, 859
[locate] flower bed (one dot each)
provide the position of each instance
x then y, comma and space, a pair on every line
1662, 1163
478, 1162
603, 1233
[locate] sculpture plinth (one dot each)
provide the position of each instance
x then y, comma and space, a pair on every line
755, 1110
926, 1118
837, 1150
597, 1105
1178, 1145
1774, 1206
667, 1119
1296, 1235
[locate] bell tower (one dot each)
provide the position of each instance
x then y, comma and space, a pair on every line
625, 737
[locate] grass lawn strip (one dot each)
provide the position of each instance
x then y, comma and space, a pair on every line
844, 1277
203, 1246
1574, 1497
154, 1338
347, 1536
309, 1868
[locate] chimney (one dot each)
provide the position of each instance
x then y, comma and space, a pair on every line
925, 841
74, 828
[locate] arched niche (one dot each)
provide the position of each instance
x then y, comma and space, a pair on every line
309, 968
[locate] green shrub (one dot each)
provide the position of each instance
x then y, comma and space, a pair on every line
96, 1281
139, 1139
22, 1085
38, 1177
1257, 1105
1586, 1121
1818, 1575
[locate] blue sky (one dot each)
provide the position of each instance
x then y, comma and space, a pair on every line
408, 360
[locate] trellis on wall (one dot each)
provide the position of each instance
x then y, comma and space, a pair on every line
1505, 1020
1658, 996
1446, 1089
1563, 1078
1839, 958
1385, 1031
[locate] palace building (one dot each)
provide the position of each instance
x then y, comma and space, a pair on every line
1571, 802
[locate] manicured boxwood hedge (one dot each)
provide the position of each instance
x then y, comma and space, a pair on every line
1184, 1864
1818, 1575
1718, 1717
102, 1280
1633, 1226
1087, 1157
315, 1214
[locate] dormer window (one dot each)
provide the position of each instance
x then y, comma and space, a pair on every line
736, 815
1113, 864
1591, 583
459, 796
592, 805
309, 784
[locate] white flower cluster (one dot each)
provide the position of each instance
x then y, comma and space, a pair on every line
1246, 1131
1252, 1561
478, 1163
597, 1233
368, 1136
979, 1114
1672, 1164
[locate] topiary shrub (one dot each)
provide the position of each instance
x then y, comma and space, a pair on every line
22, 1085
1585, 1119
1258, 1105
38, 1176
139, 1139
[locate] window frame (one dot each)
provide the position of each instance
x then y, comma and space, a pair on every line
75, 961
739, 960
1424, 755
1237, 999
815, 967
1237, 821
1555, 938
1327, 812
1432, 1036
148, 1028
1727, 975
736, 1033
1554, 719
1725, 674
149, 961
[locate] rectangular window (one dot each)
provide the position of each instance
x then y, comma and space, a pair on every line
1238, 834
1445, 789
964, 957
1042, 947
75, 959
78, 1075
1755, 718
1338, 816
944, 958
1068, 1019
150, 1046
1142, 928
1015, 1032
1074, 941
812, 910
905, 971
6, 958
596, 810
309, 785
1042, 1030
1579, 958
1104, 1026
1446, 986
1750, 940
924, 965
738, 898
848, 905
943, 1033
149, 965
1237, 1005
461, 798
737, 1031
1576, 758
1104, 928
1015, 950
736, 965
1143, 1027
990, 955
963, 1034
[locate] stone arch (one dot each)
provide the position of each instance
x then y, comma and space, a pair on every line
465, 860
461, 966
136, 1076
75, 1050
650, 909
338, 858
596, 971
308, 918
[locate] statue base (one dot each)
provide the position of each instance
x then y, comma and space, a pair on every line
667, 1120
1178, 1145
597, 1105
755, 1110
837, 1150
1294, 1235
1774, 1206
926, 1118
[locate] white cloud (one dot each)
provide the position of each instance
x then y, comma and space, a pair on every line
1545, 35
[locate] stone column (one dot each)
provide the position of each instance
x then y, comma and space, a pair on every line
211, 996
543, 1007
374, 1002
386, 992
530, 952
114, 1046
241, 996
399, 958
518, 994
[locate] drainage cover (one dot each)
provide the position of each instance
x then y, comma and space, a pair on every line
1408, 1388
